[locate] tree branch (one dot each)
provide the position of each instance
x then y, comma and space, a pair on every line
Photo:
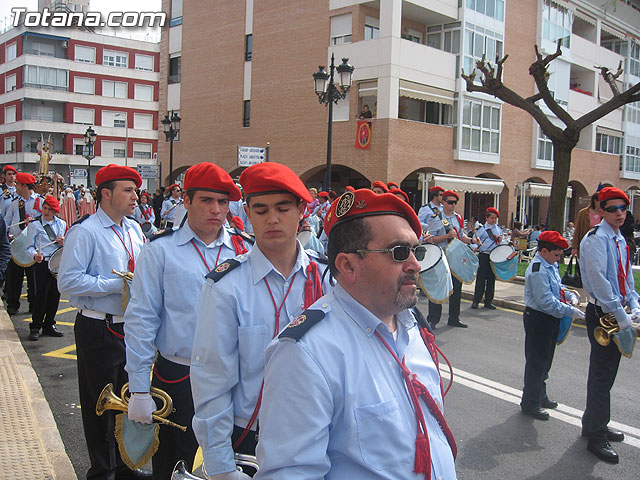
538, 70
628, 96
611, 78
534, 98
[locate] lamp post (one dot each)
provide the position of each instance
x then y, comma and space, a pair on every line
89, 140
171, 128
328, 94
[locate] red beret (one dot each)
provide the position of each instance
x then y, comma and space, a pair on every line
270, 177
171, 187
25, 178
393, 185
9, 168
323, 194
555, 238
349, 188
610, 193
145, 194
238, 222
397, 192
209, 176
381, 185
450, 193
53, 203
493, 210
365, 203
117, 172
436, 189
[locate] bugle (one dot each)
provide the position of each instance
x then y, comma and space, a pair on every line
180, 471
609, 330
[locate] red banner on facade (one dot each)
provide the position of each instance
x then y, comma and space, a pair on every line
363, 134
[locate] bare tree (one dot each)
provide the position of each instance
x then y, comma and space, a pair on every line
564, 140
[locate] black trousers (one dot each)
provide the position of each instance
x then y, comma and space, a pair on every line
485, 281
13, 284
47, 297
435, 309
603, 368
175, 444
247, 446
540, 335
101, 360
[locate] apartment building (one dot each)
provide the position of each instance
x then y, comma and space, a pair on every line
57, 82
240, 74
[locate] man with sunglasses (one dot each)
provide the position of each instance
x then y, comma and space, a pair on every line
490, 236
335, 402
170, 205
608, 279
429, 212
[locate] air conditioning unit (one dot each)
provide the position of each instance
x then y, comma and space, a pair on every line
65, 43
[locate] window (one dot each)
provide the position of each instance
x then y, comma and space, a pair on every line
424, 111
143, 92
10, 83
45, 77
618, 46
84, 85
371, 28
174, 70
479, 41
248, 47
10, 114
413, 36
112, 58
633, 159
480, 126
78, 146
606, 143
9, 144
444, 37
142, 150
144, 62
490, 8
85, 54
11, 52
113, 119
112, 149
634, 59
114, 89
556, 23
545, 147
633, 112
341, 29
246, 114
142, 121
44, 49
83, 116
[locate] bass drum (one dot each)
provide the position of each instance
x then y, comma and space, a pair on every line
19, 253
54, 262
435, 275
148, 229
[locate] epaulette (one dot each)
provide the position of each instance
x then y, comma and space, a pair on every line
131, 217
535, 267
244, 235
317, 256
222, 269
7, 193
15, 198
302, 324
81, 219
593, 230
162, 233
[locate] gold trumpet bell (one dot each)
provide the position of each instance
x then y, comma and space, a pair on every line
108, 400
603, 335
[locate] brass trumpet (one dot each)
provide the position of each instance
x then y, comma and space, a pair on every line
608, 326
108, 400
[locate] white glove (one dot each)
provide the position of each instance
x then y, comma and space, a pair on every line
577, 313
626, 323
635, 314
141, 406
235, 475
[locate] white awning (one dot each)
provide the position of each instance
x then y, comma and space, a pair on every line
584, 16
609, 131
368, 88
544, 190
467, 184
425, 92
612, 31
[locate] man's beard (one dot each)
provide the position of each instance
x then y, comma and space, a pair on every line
406, 301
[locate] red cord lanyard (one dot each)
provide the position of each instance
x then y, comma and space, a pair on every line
132, 262
622, 274
202, 256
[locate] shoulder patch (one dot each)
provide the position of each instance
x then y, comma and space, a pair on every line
244, 235
302, 324
162, 233
131, 217
318, 257
222, 269
535, 267
81, 219
593, 230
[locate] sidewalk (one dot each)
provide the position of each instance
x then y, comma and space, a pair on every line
30, 444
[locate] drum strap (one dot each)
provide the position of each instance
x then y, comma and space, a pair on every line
491, 235
144, 213
22, 212
50, 233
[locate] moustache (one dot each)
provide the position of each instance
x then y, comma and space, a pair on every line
407, 278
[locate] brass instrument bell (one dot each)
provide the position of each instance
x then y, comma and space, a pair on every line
608, 326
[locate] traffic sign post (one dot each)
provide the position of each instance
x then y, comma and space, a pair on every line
148, 171
248, 156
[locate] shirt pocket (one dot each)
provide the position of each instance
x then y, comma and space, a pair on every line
251, 345
379, 426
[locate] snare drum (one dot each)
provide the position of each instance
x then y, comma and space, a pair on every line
462, 261
148, 229
435, 275
19, 253
54, 262
504, 262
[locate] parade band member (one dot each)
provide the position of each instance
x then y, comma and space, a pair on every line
352, 387
143, 213
608, 279
490, 234
170, 205
8, 188
245, 303
40, 233
324, 205
544, 309
430, 211
26, 205
379, 187
165, 295
5, 249
97, 244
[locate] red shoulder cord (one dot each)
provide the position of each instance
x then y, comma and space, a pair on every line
622, 275
238, 245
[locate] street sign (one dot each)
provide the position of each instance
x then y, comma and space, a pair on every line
248, 156
79, 173
148, 171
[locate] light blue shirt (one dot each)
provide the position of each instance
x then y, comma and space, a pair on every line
37, 237
32, 208
235, 323
335, 405
487, 242
169, 207
140, 217
91, 250
237, 210
426, 215
599, 257
542, 289
164, 299
6, 200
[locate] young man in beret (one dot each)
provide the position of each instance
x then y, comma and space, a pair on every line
44, 238
161, 315
144, 212
379, 187
607, 277
490, 236
429, 212
545, 307
95, 245
170, 205
234, 327
335, 401
8, 188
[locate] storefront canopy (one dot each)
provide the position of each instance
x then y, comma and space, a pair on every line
468, 184
544, 190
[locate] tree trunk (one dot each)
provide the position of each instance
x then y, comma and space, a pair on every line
560, 183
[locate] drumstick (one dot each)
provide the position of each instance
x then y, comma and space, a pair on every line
19, 223
46, 244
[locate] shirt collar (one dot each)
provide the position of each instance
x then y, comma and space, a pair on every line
609, 232
105, 219
544, 263
185, 234
261, 266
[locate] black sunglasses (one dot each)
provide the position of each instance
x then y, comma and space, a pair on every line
452, 202
400, 253
613, 209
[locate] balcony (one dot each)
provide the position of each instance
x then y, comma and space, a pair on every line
587, 54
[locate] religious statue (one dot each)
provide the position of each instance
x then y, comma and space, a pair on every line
44, 150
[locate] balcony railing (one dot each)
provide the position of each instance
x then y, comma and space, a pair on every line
42, 54
40, 118
46, 87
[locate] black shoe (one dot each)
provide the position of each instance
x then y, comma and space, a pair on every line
490, 306
612, 435
457, 323
30, 309
537, 413
549, 404
603, 451
12, 310
52, 331
34, 335
474, 305
433, 326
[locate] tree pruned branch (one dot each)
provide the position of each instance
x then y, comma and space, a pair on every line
630, 95
611, 78
538, 70
534, 98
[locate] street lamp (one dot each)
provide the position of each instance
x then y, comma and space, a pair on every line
328, 94
171, 128
89, 140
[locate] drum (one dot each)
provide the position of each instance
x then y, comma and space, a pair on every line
54, 262
462, 261
310, 242
435, 275
304, 236
148, 229
19, 253
504, 262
